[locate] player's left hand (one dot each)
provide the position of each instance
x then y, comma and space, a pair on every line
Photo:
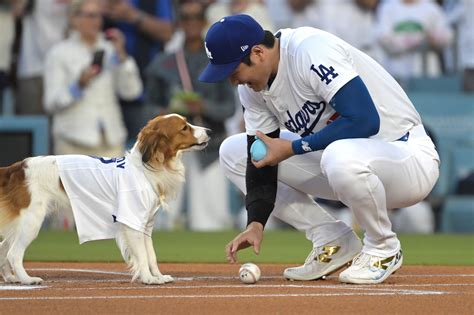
277, 150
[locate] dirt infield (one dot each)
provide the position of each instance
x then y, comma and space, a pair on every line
80, 288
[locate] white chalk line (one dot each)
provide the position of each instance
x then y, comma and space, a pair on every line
378, 290
231, 277
21, 287
372, 289
218, 296
383, 287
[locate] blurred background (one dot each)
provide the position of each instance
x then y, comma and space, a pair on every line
83, 76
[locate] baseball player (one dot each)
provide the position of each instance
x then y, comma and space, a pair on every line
337, 126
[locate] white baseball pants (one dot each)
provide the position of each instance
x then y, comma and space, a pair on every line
367, 175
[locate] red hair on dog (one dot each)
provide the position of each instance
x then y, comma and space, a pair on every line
121, 195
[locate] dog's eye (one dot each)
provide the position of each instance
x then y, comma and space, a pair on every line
185, 127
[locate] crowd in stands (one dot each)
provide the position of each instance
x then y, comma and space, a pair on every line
99, 69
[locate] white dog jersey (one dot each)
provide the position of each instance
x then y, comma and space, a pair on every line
103, 191
313, 66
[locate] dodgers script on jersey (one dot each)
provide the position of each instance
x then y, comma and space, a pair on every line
313, 66
103, 191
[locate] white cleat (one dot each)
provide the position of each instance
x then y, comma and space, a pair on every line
325, 259
368, 269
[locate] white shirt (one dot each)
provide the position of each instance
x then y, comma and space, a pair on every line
7, 27
103, 191
358, 28
80, 120
466, 35
403, 30
298, 98
42, 28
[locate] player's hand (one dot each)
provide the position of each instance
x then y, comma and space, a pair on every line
277, 150
252, 236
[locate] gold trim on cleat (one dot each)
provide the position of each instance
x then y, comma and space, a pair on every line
385, 263
326, 252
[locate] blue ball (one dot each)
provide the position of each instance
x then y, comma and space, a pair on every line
258, 150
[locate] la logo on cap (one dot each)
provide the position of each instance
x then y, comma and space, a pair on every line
208, 52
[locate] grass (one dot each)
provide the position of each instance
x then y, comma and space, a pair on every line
284, 246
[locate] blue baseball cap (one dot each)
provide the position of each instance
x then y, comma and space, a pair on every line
227, 42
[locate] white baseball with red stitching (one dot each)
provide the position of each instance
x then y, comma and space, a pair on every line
249, 273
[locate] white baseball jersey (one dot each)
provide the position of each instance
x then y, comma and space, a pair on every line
313, 66
103, 191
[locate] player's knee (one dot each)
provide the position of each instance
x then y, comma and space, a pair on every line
232, 149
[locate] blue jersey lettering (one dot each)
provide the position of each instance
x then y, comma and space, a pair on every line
324, 73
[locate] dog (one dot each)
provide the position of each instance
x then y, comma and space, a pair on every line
110, 197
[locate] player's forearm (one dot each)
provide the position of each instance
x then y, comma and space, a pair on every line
261, 187
359, 119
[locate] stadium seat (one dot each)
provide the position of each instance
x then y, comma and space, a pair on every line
449, 117
458, 215
23, 136
462, 163
440, 84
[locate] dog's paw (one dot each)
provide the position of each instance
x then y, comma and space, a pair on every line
153, 280
168, 278
10, 278
162, 279
31, 280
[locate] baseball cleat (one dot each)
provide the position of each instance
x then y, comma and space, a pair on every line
368, 269
326, 259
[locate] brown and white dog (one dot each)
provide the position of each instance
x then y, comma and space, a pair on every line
31, 188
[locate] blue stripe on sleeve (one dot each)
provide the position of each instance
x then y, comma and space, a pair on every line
359, 119
75, 91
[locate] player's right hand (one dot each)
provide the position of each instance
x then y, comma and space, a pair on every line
252, 236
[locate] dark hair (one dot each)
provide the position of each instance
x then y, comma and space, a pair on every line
201, 15
268, 41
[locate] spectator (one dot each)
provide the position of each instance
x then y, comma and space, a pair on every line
172, 85
81, 94
147, 26
44, 24
304, 13
360, 19
407, 30
466, 45
6, 40
253, 8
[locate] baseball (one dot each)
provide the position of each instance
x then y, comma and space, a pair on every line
258, 150
249, 273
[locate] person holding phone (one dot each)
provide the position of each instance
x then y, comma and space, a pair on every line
84, 75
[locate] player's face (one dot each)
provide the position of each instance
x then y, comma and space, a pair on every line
254, 76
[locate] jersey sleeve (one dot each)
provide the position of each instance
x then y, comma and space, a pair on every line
324, 64
257, 116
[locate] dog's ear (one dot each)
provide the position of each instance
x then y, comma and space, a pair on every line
144, 144
153, 145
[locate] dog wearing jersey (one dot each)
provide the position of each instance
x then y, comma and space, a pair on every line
110, 197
